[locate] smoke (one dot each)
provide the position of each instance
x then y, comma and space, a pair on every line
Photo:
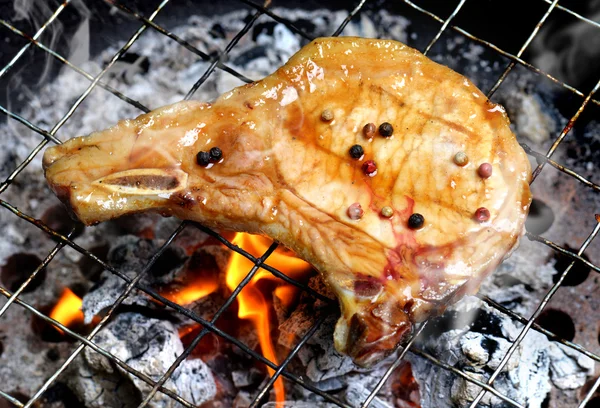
570, 51
36, 13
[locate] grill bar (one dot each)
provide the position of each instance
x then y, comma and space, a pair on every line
21, 166
284, 363
279, 369
523, 48
590, 393
68, 63
444, 26
30, 126
33, 274
179, 40
540, 157
279, 19
394, 366
347, 20
229, 47
576, 15
565, 131
563, 251
500, 51
12, 400
539, 328
535, 315
39, 32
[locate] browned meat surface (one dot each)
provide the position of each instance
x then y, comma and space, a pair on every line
286, 172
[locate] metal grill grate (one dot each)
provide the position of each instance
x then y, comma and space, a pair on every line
209, 326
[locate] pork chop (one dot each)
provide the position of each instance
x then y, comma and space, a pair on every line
394, 176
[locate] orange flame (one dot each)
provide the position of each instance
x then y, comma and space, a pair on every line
201, 278
68, 309
252, 304
192, 292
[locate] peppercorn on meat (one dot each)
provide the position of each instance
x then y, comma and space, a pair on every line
391, 174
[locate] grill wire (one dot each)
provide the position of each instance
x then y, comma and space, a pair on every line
208, 326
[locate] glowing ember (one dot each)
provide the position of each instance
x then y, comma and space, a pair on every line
201, 278
192, 292
67, 310
252, 303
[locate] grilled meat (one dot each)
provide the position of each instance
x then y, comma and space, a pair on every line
431, 200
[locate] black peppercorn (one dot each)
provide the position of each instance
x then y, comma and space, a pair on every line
215, 154
356, 151
416, 221
386, 129
203, 159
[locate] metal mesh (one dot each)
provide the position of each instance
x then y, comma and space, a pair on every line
209, 326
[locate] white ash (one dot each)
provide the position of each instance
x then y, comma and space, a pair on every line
129, 255
478, 348
530, 119
149, 346
321, 359
357, 393
335, 373
526, 272
244, 378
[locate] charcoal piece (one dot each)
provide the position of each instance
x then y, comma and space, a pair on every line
129, 255
297, 404
356, 394
469, 346
569, 368
149, 346
244, 378
92, 385
473, 346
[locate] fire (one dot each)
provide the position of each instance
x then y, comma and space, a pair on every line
68, 309
251, 301
194, 291
201, 278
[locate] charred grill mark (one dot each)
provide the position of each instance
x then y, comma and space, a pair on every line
147, 181
378, 89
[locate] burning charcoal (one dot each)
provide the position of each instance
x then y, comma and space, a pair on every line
299, 323
148, 345
531, 118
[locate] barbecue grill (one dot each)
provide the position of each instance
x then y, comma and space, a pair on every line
440, 21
